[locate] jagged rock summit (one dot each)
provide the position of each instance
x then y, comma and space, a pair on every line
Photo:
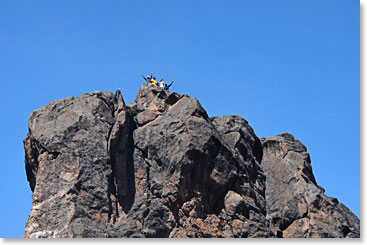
160, 167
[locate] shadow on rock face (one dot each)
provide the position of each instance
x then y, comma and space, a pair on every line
128, 201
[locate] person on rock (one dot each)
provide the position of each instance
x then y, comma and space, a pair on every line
161, 83
166, 87
153, 81
148, 79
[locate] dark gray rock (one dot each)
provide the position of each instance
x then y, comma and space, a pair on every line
295, 204
160, 167
151, 101
70, 168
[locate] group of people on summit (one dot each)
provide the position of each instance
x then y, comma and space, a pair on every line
161, 83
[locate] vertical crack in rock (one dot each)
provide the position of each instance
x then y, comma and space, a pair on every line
120, 148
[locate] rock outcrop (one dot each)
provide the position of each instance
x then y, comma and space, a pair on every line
160, 167
295, 204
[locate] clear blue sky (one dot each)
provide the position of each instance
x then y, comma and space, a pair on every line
284, 65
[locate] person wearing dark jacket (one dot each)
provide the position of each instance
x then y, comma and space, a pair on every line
148, 79
166, 87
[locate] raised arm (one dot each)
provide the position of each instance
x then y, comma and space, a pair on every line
168, 86
144, 77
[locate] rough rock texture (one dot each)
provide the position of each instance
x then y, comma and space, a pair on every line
160, 167
295, 204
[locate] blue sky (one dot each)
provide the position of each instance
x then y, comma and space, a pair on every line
284, 65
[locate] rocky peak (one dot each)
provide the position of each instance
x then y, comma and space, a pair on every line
160, 167
151, 102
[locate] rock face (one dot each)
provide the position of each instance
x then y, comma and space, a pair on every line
295, 204
160, 167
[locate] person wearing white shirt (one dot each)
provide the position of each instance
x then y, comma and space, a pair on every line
161, 83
